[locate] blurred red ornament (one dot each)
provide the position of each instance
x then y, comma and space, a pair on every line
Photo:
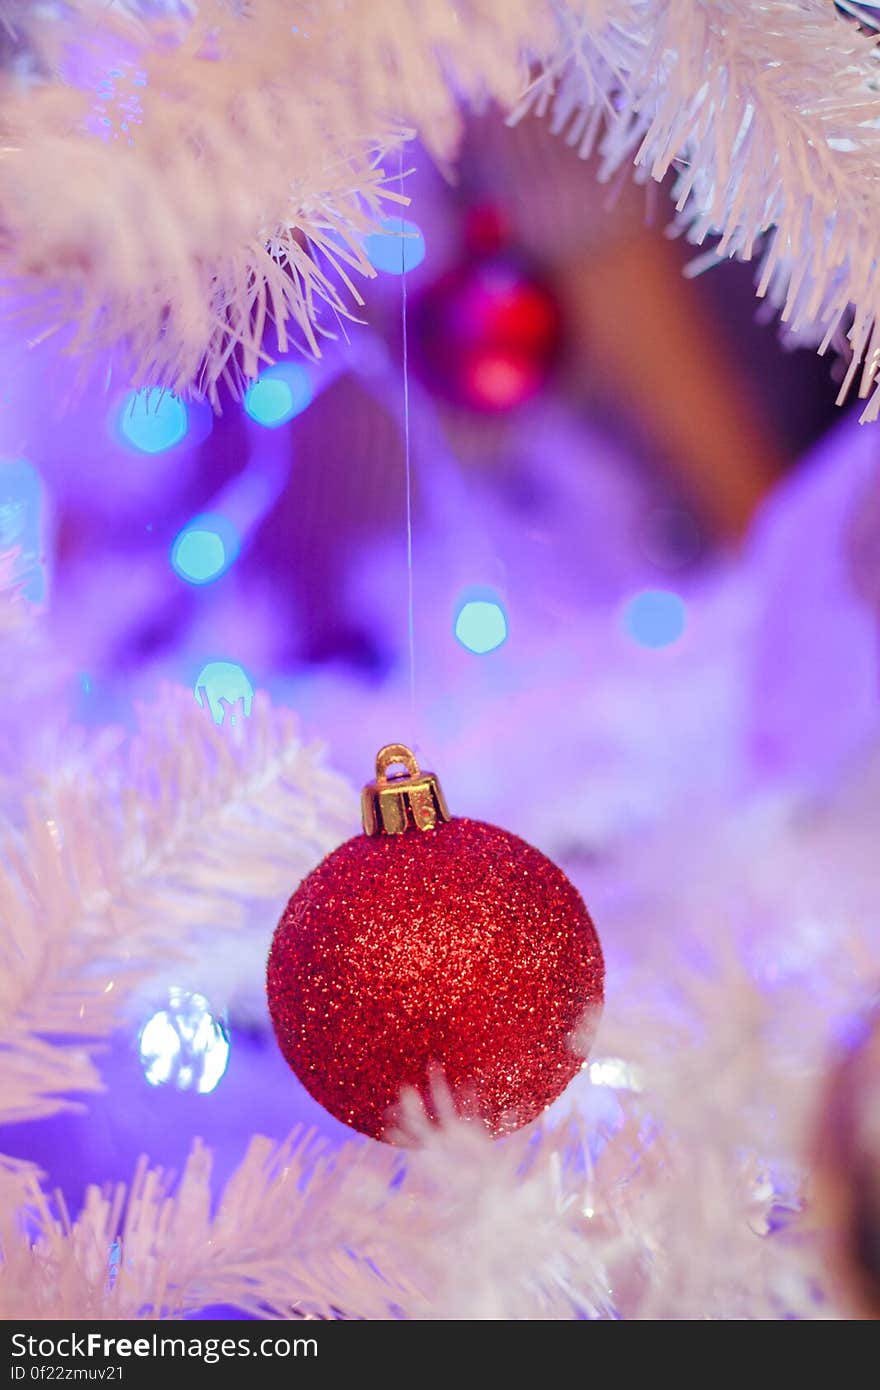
848, 1169
430, 946
488, 334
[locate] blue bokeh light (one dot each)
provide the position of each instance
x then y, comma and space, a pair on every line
399, 247
184, 1045
205, 548
153, 420
655, 618
278, 394
221, 684
481, 625
199, 556
22, 507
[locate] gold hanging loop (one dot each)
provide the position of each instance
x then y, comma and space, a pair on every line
399, 801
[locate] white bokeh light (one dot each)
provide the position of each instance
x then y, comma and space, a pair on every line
184, 1045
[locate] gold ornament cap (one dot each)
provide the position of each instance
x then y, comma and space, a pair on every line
401, 801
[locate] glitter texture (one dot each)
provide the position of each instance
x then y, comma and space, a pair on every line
460, 950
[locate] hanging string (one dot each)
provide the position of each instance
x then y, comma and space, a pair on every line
407, 464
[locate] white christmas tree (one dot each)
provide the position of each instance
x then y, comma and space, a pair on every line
246, 156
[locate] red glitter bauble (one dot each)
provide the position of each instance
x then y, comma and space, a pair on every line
488, 333
458, 949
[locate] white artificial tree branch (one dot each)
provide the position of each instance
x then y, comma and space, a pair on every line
659, 1212
183, 181
204, 175
461, 1229
768, 113
128, 847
